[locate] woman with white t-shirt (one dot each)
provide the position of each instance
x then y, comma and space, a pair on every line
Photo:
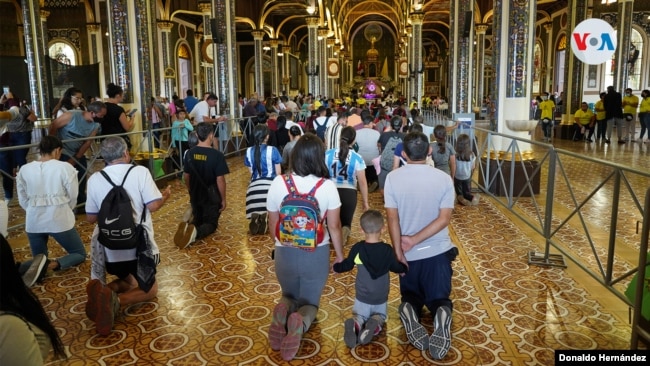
302, 274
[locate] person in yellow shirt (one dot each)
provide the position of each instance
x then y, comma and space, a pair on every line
584, 121
630, 104
644, 114
547, 107
601, 118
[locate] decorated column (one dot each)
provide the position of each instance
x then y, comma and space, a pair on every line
96, 52
207, 65
623, 34
574, 69
198, 71
286, 74
132, 49
313, 85
322, 62
416, 51
330, 80
460, 62
548, 80
165, 64
514, 23
480, 65
35, 52
258, 36
225, 66
274, 67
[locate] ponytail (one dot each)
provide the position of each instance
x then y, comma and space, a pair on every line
348, 134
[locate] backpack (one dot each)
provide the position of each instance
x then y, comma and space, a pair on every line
320, 129
387, 154
117, 228
300, 224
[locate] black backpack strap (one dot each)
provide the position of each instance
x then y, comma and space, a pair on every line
123, 180
127, 174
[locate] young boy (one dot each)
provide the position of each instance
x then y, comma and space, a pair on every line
374, 259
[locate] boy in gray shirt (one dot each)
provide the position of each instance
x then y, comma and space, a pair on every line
374, 259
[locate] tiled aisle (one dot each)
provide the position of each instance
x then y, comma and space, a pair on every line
215, 300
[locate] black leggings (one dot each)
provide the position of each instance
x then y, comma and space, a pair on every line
348, 205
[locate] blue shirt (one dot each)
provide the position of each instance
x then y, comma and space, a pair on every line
77, 128
344, 175
269, 157
190, 102
180, 130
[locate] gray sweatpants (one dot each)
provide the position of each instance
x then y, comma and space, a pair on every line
302, 276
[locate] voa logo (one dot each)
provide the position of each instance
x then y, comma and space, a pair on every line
593, 41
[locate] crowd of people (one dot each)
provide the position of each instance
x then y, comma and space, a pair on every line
612, 110
310, 152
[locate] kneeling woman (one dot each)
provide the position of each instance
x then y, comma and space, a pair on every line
302, 273
264, 163
47, 190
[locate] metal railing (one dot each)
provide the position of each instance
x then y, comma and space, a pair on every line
228, 134
567, 208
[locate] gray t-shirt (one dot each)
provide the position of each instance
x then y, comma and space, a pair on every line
441, 160
418, 192
367, 140
464, 168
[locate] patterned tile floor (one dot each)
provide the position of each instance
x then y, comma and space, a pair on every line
215, 299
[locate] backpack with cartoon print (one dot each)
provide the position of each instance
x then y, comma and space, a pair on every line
300, 224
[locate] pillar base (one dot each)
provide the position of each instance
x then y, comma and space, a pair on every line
553, 260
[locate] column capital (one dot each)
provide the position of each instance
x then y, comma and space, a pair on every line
205, 8
94, 27
258, 34
274, 42
323, 32
417, 18
44, 14
331, 41
165, 25
408, 30
198, 36
286, 49
481, 28
548, 27
312, 21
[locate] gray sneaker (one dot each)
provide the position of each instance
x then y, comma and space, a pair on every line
415, 332
36, 270
440, 340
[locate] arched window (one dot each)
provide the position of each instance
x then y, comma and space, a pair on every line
63, 53
635, 60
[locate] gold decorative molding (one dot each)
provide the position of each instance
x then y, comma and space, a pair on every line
417, 18
286, 50
94, 27
44, 14
312, 22
481, 28
205, 8
548, 27
323, 32
165, 25
258, 35
274, 43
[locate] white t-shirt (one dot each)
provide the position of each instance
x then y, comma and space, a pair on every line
202, 109
142, 190
327, 196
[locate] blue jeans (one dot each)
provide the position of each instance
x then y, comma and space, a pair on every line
69, 240
81, 170
9, 160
